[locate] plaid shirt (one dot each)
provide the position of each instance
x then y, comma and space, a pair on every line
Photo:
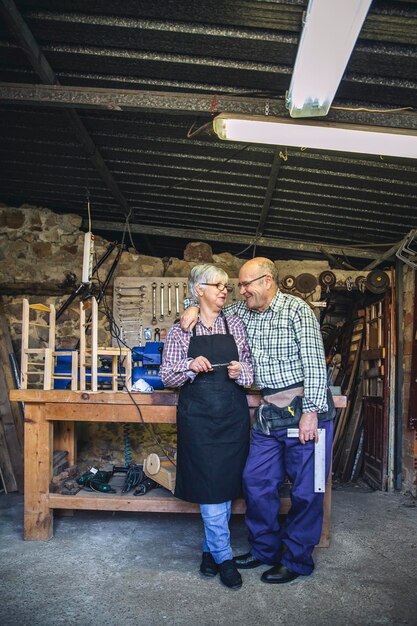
174, 370
286, 346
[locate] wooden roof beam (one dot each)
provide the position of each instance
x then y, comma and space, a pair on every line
194, 103
202, 235
273, 177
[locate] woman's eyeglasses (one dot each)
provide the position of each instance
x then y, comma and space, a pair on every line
220, 286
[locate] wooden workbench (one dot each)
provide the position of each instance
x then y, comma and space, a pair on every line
50, 418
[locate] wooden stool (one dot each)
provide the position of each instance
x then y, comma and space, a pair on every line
37, 362
74, 367
91, 353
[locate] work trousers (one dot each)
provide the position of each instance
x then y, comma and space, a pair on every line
271, 458
216, 530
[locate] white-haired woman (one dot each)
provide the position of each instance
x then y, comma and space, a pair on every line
211, 364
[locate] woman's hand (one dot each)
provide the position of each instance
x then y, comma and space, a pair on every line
234, 369
200, 364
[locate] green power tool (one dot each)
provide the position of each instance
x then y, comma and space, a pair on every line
96, 480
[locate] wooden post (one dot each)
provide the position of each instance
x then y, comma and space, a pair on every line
327, 508
38, 517
94, 344
64, 439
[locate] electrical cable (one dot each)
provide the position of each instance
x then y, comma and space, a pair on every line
117, 337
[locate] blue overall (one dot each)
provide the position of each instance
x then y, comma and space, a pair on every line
271, 458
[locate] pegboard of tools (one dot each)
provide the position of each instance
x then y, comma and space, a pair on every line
146, 308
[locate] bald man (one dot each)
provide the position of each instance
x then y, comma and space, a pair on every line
290, 371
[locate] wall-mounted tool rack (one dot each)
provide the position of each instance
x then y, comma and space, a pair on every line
146, 308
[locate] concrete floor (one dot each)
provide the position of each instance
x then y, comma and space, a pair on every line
142, 569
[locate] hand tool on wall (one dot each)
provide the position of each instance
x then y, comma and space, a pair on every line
177, 302
154, 320
129, 335
184, 290
157, 334
141, 288
169, 300
127, 320
161, 303
130, 307
120, 295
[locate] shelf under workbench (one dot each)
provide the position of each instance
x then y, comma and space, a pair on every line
50, 418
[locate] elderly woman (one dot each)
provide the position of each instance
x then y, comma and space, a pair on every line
211, 364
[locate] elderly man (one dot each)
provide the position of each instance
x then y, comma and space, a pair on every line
290, 370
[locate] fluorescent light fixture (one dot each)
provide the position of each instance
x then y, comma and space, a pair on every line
322, 135
331, 28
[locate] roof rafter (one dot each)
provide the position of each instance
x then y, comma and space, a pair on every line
203, 235
186, 102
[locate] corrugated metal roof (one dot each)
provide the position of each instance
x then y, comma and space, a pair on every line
169, 180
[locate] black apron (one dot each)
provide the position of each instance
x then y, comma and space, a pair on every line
212, 427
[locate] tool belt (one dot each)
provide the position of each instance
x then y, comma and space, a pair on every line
283, 409
279, 409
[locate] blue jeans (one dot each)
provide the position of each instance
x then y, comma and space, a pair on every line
216, 530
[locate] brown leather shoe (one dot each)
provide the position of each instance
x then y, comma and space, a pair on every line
278, 575
247, 561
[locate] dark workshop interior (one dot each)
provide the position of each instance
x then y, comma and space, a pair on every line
117, 176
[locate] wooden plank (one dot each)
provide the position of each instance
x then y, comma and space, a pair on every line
158, 500
38, 518
158, 398
11, 422
6, 348
346, 449
110, 413
7, 472
373, 354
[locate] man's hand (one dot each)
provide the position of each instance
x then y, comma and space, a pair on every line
234, 369
308, 428
200, 364
189, 318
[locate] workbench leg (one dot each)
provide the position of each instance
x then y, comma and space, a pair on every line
327, 506
64, 439
38, 517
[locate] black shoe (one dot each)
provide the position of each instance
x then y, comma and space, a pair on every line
247, 561
278, 575
229, 575
208, 566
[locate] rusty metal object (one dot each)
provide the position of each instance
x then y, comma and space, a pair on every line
305, 283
